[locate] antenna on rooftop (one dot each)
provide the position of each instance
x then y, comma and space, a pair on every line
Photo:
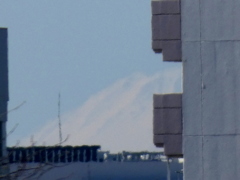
59, 119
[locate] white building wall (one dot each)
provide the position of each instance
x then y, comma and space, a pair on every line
211, 94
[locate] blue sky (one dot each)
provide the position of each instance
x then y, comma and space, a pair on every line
78, 48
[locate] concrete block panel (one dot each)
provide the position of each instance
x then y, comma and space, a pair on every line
166, 27
220, 157
190, 15
192, 85
173, 145
3, 65
167, 121
157, 46
193, 159
158, 140
221, 92
220, 20
165, 7
167, 100
171, 50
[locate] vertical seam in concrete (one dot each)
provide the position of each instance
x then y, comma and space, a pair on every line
234, 92
201, 66
200, 26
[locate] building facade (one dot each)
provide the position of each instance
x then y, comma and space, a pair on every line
3, 97
210, 47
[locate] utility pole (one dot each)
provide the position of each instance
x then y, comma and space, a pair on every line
168, 169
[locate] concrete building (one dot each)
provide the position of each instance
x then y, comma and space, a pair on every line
210, 47
3, 97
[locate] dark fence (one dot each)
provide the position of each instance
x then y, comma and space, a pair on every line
52, 154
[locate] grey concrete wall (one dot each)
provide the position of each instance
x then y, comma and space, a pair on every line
211, 83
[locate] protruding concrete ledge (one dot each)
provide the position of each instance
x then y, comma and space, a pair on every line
171, 50
167, 114
165, 7
167, 100
167, 123
158, 140
172, 144
166, 29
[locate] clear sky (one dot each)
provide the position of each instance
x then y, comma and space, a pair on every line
81, 49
